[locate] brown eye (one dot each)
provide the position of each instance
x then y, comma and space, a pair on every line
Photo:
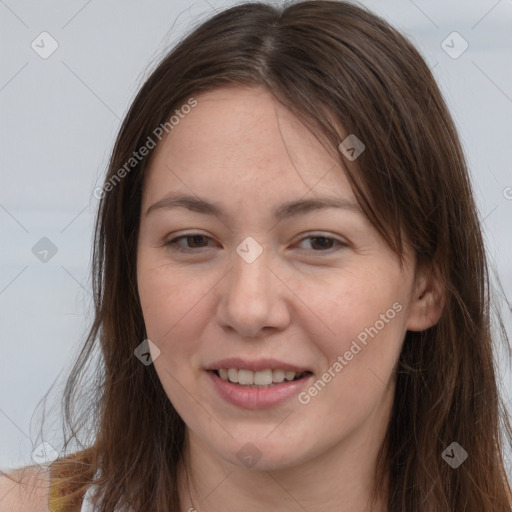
195, 240
322, 243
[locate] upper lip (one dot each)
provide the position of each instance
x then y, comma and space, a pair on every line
255, 365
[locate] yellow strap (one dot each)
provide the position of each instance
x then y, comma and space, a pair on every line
54, 497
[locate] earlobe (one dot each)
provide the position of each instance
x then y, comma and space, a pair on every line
428, 301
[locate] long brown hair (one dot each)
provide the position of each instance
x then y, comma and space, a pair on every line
342, 70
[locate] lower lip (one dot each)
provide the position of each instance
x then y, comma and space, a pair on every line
257, 398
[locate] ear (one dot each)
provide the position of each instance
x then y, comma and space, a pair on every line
428, 300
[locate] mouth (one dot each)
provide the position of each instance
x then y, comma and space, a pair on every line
258, 389
261, 379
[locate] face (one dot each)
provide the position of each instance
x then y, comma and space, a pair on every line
266, 289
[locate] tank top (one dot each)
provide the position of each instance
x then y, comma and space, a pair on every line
87, 504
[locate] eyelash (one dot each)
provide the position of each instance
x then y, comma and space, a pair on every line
172, 244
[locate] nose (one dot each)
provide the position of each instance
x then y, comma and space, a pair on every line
253, 298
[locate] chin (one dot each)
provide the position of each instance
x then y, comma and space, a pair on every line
259, 454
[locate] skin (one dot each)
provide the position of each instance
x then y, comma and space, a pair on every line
302, 300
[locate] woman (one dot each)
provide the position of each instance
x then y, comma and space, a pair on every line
291, 284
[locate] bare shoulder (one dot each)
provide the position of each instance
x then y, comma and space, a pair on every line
24, 489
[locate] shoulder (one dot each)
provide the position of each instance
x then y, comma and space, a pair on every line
24, 489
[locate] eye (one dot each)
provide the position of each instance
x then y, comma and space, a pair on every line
196, 239
321, 242
324, 243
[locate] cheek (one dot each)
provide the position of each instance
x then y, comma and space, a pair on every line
366, 318
360, 348
350, 304
171, 304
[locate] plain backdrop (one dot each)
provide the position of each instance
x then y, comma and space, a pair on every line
60, 114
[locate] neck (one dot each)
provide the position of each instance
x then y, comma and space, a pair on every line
339, 479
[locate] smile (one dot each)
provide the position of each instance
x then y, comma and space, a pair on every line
248, 394
258, 379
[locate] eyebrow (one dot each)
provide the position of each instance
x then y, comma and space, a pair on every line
284, 211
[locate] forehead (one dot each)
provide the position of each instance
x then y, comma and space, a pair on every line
240, 143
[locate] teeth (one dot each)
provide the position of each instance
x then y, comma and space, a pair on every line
277, 375
245, 377
233, 375
262, 378
289, 375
